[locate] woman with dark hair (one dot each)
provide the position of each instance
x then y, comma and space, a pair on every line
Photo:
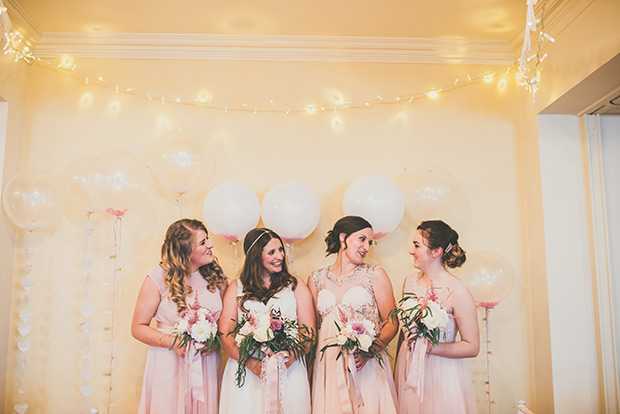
264, 284
188, 274
446, 385
350, 286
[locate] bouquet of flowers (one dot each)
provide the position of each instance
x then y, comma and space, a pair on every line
355, 334
199, 326
422, 317
261, 334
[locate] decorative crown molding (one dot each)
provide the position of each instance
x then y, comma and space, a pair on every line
274, 48
28, 26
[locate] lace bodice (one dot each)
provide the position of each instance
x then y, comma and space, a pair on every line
353, 290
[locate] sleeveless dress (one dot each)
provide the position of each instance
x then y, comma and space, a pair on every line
330, 391
166, 375
447, 384
250, 397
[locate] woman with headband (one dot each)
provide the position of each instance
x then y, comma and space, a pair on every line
264, 283
443, 384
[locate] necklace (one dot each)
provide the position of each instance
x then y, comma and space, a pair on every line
341, 280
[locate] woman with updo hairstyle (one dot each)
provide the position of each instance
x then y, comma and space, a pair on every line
446, 386
264, 284
351, 286
187, 275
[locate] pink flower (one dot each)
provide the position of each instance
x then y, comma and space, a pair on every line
358, 327
276, 324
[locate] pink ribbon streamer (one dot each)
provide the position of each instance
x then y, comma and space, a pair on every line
194, 383
415, 373
273, 367
118, 226
348, 388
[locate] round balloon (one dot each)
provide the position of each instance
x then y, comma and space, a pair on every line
117, 181
231, 210
292, 210
377, 199
33, 199
76, 178
489, 277
432, 192
178, 160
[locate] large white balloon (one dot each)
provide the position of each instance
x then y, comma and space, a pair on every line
117, 181
178, 160
231, 210
33, 199
432, 192
292, 210
489, 277
76, 178
377, 199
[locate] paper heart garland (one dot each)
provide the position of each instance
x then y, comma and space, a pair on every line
86, 390
86, 326
23, 329
24, 315
29, 253
85, 374
23, 345
21, 408
26, 283
87, 311
28, 268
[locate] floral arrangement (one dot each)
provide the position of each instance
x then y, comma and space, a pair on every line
198, 325
355, 334
422, 317
260, 334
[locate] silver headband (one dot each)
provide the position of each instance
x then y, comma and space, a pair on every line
254, 242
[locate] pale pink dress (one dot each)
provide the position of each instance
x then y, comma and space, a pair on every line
375, 383
447, 384
166, 375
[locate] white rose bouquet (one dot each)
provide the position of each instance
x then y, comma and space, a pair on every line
199, 326
421, 316
260, 334
355, 334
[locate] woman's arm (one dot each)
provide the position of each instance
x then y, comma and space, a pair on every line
466, 319
305, 309
226, 324
384, 296
146, 306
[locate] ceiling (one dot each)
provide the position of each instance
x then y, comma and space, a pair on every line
455, 19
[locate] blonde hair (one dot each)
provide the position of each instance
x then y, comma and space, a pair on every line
175, 260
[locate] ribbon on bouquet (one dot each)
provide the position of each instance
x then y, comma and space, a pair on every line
273, 370
194, 383
348, 388
415, 362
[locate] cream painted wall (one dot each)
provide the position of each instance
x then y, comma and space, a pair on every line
13, 93
472, 131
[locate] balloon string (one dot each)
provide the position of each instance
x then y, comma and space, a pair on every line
487, 311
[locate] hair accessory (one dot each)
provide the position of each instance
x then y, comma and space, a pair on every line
254, 242
450, 246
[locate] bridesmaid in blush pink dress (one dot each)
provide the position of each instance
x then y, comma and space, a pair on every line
177, 381
443, 385
354, 287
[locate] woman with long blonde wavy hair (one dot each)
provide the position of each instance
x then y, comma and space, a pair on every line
179, 380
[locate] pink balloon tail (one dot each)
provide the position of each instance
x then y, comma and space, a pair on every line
487, 305
117, 213
377, 236
230, 237
292, 239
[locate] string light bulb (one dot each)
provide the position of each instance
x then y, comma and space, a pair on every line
432, 94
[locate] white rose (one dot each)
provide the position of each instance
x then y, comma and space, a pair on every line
239, 338
182, 326
370, 327
365, 342
437, 317
341, 339
201, 331
263, 335
348, 331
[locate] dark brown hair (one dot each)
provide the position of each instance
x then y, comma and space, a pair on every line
175, 260
252, 271
347, 225
438, 234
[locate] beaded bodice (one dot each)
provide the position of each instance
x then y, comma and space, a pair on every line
353, 290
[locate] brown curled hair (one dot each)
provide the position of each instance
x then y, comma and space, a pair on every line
438, 234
